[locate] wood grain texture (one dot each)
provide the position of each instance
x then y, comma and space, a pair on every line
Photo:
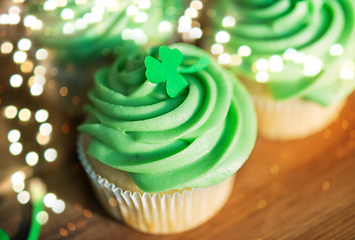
290, 204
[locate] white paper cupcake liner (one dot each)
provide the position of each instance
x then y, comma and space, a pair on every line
151, 213
292, 119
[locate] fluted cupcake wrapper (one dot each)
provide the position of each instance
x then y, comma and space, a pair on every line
155, 214
292, 119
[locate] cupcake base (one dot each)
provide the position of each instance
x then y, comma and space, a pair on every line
289, 119
157, 213
293, 119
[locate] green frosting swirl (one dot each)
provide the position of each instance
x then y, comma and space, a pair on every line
197, 139
311, 27
105, 36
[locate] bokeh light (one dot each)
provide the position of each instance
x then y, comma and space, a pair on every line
42, 217
32, 158
40, 70
6, 47
224, 58
18, 187
49, 200
41, 115
228, 21
20, 57
222, 37
24, 44
50, 154
244, 51
336, 49
10, 112
58, 206
24, 114
42, 139
16, 80
27, 66
36, 89
14, 135
18, 177
23, 197
15, 148
41, 54
262, 76
45, 128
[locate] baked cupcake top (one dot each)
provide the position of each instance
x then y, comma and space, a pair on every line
298, 48
197, 136
84, 30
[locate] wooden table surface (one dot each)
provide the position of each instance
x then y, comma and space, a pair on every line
295, 190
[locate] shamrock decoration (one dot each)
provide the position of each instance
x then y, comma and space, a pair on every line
168, 70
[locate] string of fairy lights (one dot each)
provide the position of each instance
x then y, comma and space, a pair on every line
72, 22
189, 26
35, 192
36, 65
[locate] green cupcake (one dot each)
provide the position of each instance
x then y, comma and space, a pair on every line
82, 31
191, 124
291, 55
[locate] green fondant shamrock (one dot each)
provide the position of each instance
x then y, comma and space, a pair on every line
168, 70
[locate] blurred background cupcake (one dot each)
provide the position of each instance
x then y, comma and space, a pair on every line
82, 35
82, 31
295, 57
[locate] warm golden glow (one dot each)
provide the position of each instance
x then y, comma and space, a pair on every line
24, 114
10, 112
87, 213
261, 204
274, 169
6, 47
326, 185
63, 91
112, 202
63, 232
42, 139
27, 66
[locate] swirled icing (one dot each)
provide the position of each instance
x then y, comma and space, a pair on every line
311, 28
197, 139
